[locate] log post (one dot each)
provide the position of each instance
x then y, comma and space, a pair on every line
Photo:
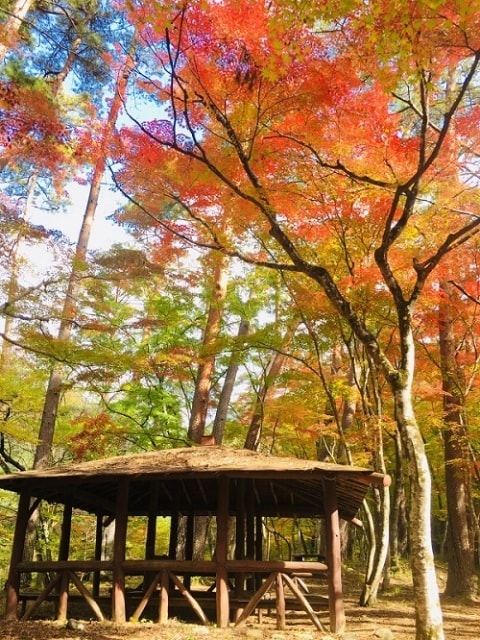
119, 543
13, 581
239, 539
98, 554
280, 596
334, 556
221, 552
151, 539
63, 554
173, 540
163, 599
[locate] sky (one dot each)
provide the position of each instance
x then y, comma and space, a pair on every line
105, 232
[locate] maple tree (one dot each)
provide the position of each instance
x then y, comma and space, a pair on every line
290, 128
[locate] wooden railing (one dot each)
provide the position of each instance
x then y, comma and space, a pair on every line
163, 573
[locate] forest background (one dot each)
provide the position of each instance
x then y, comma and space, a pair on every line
299, 183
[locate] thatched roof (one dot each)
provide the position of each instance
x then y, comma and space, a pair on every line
186, 480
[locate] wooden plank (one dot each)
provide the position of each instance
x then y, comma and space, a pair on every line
64, 565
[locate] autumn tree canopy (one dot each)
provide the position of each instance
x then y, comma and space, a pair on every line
301, 186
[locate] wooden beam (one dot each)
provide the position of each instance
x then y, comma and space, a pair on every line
221, 554
86, 596
119, 543
334, 556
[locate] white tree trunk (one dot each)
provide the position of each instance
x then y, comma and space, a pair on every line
429, 625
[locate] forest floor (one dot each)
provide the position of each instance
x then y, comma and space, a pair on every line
392, 618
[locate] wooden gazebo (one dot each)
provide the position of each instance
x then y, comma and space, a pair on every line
237, 487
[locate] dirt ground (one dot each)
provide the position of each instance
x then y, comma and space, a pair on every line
392, 618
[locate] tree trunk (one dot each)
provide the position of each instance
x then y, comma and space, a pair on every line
428, 614
460, 543
378, 551
227, 389
55, 383
203, 382
9, 29
254, 434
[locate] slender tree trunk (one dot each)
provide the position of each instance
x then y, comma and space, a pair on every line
203, 382
55, 383
252, 441
379, 551
460, 543
227, 389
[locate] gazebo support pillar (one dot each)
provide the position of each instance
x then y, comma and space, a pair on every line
13, 582
334, 556
63, 554
119, 543
98, 553
223, 602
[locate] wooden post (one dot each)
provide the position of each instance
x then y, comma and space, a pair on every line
151, 539
163, 600
119, 543
98, 554
252, 583
13, 581
258, 546
221, 553
189, 541
334, 556
239, 539
63, 554
173, 540
280, 594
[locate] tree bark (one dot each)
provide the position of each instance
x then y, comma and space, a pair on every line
227, 389
428, 614
9, 29
203, 382
252, 440
460, 543
379, 550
